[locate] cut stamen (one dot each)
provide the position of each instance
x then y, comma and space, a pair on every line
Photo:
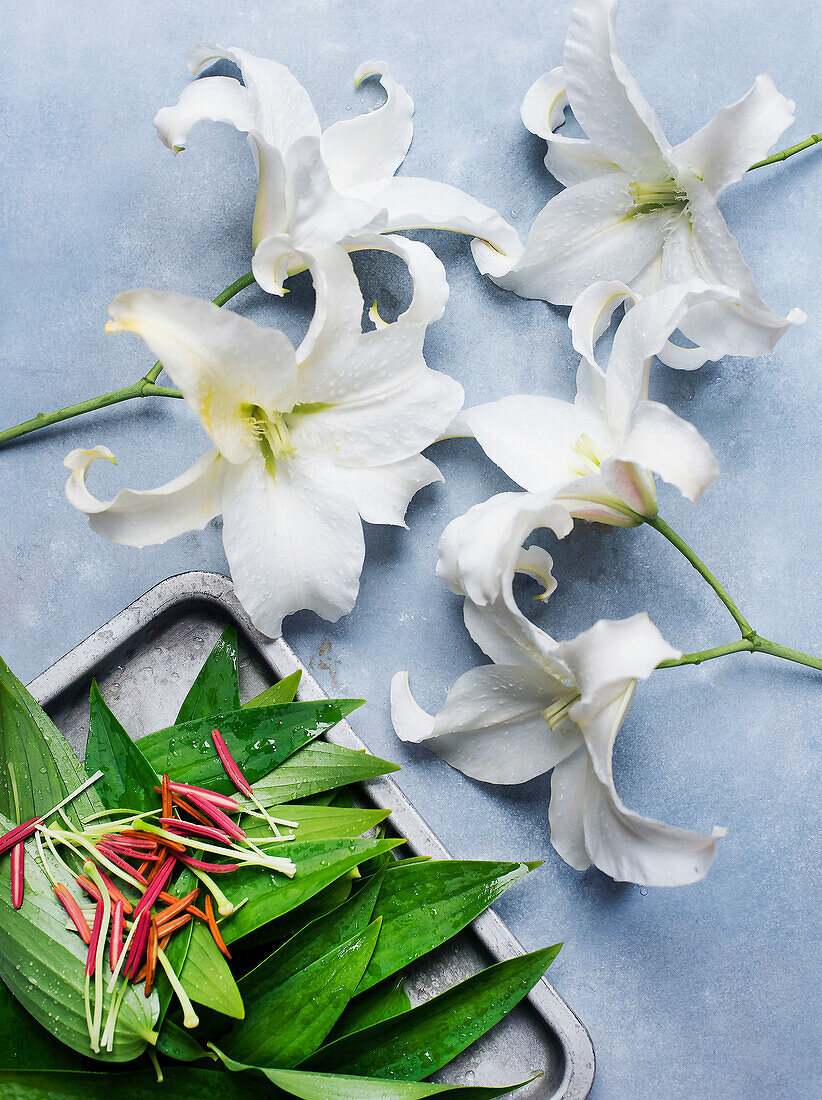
102, 919
224, 907
115, 947
158, 883
190, 1017
215, 931
18, 855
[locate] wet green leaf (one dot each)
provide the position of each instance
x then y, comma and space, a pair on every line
178, 1043
327, 1086
43, 765
312, 942
180, 1082
259, 739
128, 779
284, 691
317, 767
381, 1002
206, 976
419, 1042
305, 1005
270, 895
425, 904
217, 687
43, 964
25, 1044
319, 822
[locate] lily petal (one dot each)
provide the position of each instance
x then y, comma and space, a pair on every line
604, 96
569, 160
382, 493
222, 362
212, 99
590, 824
292, 541
373, 145
585, 233
592, 313
737, 136
151, 516
281, 107
425, 268
532, 438
661, 441
491, 726
412, 203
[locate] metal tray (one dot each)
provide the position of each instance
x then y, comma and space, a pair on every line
146, 658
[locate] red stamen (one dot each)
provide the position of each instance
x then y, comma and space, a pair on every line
112, 857
166, 796
18, 833
115, 947
214, 868
188, 828
151, 957
138, 945
18, 855
221, 800
186, 807
218, 818
115, 894
132, 842
74, 911
158, 883
174, 925
215, 931
232, 768
95, 937
89, 887
177, 906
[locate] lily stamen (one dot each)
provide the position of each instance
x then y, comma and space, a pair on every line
557, 712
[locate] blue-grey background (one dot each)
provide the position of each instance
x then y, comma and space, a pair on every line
702, 992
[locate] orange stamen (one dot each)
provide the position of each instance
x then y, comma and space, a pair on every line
212, 924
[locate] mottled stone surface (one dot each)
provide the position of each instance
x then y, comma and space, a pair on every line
690, 994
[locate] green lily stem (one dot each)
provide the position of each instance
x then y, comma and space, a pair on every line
753, 644
659, 524
774, 158
750, 642
145, 387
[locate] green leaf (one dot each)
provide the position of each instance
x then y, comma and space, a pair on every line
128, 779
326, 1086
178, 1043
24, 1044
43, 964
180, 1082
312, 942
32, 749
320, 822
381, 1002
270, 895
206, 977
305, 1006
425, 904
258, 739
217, 687
317, 767
284, 691
419, 1042
326, 901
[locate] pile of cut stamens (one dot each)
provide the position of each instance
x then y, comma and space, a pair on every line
144, 854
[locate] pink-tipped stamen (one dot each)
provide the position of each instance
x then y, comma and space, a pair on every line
189, 828
95, 936
20, 832
232, 768
114, 858
213, 868
115, 947
138, 945
215, 814
221, 800
158, 883
17, 876
69, 903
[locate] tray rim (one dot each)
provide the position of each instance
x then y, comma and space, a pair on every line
215, 589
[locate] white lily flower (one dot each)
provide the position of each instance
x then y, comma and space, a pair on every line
599, 453
317, 189
306, 443
635, 208
546, 705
